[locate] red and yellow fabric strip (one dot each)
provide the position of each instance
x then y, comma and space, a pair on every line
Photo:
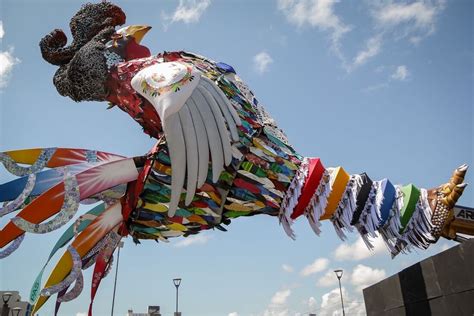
60, 156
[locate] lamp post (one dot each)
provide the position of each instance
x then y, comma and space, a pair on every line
120, 245
5, 308
339, 273
177, 282
16, 311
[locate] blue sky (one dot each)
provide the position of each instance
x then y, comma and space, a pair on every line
381, 87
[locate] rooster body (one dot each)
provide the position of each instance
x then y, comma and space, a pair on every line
218, 156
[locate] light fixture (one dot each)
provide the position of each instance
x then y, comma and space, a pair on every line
177, 282
6, 297
339, 273
16, 311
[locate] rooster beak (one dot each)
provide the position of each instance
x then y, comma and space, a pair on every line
135, 31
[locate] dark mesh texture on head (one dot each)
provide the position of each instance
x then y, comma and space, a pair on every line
83, 71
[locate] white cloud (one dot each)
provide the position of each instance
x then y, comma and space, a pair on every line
233, 314
2, 31
318, 265
375, 87
188, 11
406, 20
262, 61
193, 240
278, 304
273, 312
311, 303
415, 20
280, 297
372, 49
316, 13
363, 276
331, 304
7, 61
332, 299
401, 73
329, 279
422, 14
358, 251
287, 268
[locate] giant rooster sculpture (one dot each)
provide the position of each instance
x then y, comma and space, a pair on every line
218, 156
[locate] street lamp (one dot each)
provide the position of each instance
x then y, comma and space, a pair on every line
120, 245
339, 273
177, 282
16, 311
5, 308
6, 297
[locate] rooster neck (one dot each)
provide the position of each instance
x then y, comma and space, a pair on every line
126, 98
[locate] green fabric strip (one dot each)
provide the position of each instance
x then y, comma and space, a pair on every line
411, 194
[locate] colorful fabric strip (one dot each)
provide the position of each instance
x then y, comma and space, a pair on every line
45, 179
362, 197
315, 174
63, 240
417, 232
389, 195
390, 231
20, 171
74, 292
13, 246
339, 180
318, 202
411, 194
342, 217
101, 264
73, 275
292, 195
15, 204
109, 266
58, 303
370, 216
69, 208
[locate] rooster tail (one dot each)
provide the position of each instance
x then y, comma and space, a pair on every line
96, 242
74, 178
33, 180
73, 230
52, 157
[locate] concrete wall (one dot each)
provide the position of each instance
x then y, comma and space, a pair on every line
440, 285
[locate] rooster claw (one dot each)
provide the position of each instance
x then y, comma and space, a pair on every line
456, 179
443, 199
